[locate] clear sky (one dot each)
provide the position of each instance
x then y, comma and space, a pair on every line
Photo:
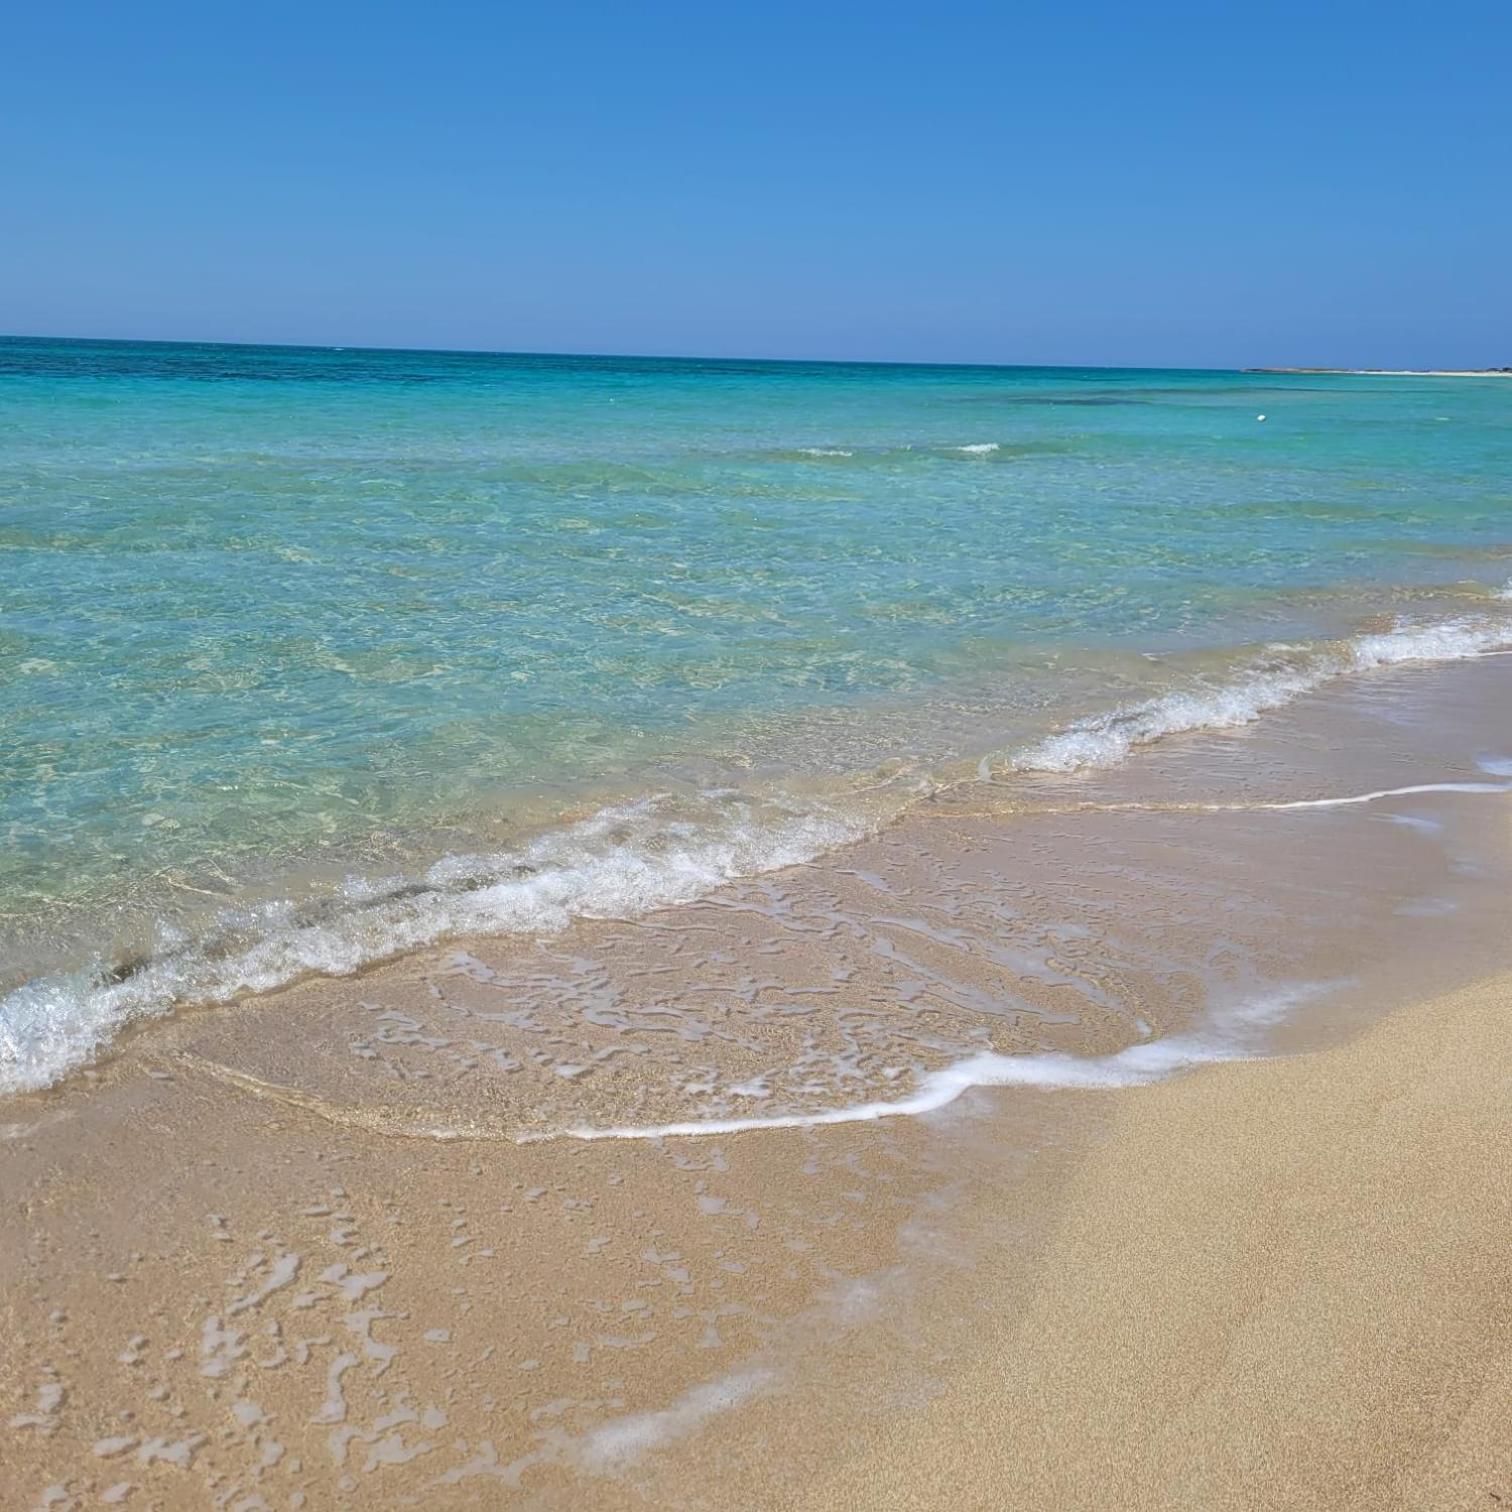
1106, 182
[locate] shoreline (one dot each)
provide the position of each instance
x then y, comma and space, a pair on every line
628, 855
305, 1248
1310, 1309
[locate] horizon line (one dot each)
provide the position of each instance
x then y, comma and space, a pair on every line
321, 346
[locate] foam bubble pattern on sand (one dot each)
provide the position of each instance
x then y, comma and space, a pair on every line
1234, 1033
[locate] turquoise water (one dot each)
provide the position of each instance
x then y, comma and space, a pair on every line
275, 618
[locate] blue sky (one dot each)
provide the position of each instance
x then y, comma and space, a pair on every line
1210, 184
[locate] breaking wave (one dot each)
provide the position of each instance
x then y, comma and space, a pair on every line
623, 861
1106, 739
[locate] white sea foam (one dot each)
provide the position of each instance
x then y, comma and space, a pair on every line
1106, 739
978, 448
621, 862
1372, 797
1450, 640
825, 451
1235, 1033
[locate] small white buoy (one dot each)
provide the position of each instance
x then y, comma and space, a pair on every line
1259, 417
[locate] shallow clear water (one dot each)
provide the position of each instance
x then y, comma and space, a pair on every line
274, 616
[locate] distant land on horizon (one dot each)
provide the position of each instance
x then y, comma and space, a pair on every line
1374, 372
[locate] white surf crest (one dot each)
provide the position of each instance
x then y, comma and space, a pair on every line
1106, 739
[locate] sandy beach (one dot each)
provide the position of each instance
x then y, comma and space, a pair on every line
1213, 1216
1268, 1284
1309, 1306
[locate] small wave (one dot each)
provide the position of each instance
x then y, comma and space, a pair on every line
1106, 739
1234, 1034
1294, 805
825, 451
622, 862
1413, 790
977, 449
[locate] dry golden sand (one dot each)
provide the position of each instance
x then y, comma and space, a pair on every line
1277, 1284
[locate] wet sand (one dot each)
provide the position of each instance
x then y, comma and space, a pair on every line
344, 1245
1277, 1284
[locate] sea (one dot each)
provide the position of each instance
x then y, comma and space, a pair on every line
311, 658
